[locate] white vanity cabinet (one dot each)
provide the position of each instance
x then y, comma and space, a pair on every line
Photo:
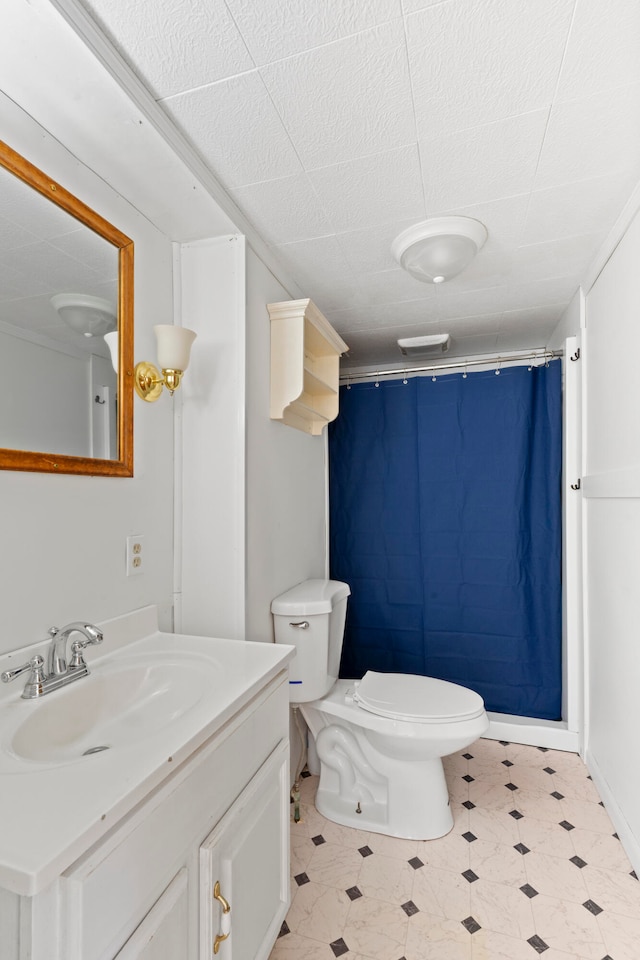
145, 890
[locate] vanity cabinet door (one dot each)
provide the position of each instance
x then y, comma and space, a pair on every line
164, 932
244, 866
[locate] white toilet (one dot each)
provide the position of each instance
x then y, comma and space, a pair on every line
379, 740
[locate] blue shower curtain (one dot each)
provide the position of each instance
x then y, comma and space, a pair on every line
445, 511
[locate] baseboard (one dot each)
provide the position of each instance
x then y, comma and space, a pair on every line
629, 841
552, 734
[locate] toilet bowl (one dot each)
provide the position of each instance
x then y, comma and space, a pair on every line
380, 740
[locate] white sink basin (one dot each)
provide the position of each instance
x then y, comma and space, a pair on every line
152, 698
116, 706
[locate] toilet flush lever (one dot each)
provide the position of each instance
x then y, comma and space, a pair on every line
300, 625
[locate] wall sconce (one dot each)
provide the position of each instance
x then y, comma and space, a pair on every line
174, 348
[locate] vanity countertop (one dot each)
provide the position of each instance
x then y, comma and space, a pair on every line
55, 805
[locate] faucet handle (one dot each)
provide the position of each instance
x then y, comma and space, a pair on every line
36, 665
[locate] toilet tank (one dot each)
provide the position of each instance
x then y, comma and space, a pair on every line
311, 616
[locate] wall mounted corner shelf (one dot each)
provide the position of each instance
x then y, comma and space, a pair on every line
305, 366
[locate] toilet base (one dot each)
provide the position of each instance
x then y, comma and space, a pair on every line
400, 798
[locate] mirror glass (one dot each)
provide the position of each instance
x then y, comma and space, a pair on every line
66, 279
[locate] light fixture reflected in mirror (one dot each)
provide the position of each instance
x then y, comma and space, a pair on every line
439, 249
174, 349
90, 316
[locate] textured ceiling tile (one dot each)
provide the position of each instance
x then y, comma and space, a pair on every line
504, 219
348, 99
531, 336
469, 346
591, 137
472, 325
275, 29
371, 190
587, 206
174, 45
556, 258
454, 305
394, 285
283, 211
472, 63
236, 129
606, 36
517, 320
369, 250
484, 163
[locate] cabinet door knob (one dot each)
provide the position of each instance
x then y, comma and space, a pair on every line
226, 917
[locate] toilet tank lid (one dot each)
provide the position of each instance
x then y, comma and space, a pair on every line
310, 597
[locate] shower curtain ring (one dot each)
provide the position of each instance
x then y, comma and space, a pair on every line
405, 377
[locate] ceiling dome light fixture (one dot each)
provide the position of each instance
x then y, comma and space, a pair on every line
90, 316
438, 250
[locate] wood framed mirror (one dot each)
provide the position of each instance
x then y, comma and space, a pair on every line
66, 279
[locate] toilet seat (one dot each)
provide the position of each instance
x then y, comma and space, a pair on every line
417, 699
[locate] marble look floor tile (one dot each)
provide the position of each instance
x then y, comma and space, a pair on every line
568, 764
490, 770
442, 893
531, 779
447, 853
458, 788
491, 796
539, 807
378, 930
621, 935
568, 927
489, 945
497, 861
460, 816
502, 909
335, 866
541, 836
310, 823
308, 787
391, 846
345, 836
386, 878
494, 826
613, 891
576, 787
521, 753
600, 850
554, 877
455, 764
301, 851
294, 947
586, 815
433, 938
486, 748
318, 912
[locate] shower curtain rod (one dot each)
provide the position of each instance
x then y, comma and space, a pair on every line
460, 365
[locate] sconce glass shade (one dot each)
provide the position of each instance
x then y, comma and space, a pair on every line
174, 346
438, 250
90, 316
111, 340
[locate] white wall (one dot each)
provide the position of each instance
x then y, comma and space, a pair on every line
611, 485
63, 537
50, 410
285, 468
210, 465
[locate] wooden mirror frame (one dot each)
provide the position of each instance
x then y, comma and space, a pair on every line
61, 463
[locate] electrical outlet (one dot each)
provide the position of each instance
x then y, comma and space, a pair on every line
135, 555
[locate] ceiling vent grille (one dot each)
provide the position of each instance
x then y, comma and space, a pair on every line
431, 346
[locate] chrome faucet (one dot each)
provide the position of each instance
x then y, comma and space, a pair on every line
58, 650
59, 672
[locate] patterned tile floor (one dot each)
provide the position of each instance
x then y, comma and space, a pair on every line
532, 868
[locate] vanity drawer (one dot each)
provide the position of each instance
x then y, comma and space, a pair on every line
106, 893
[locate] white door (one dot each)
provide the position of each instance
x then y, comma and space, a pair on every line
244, 868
